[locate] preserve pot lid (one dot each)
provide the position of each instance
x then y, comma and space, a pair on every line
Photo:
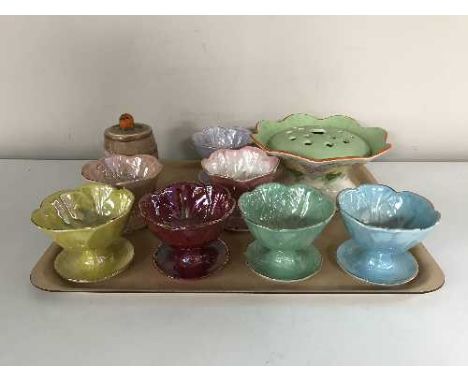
139, 131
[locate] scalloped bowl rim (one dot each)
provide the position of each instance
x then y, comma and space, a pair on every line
245, 148
126, 212
148, 157
289, 187
225, 216
383, 229
289, 155
202, 132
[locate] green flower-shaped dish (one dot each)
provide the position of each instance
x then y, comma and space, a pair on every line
87, 223
321, 149
285, 220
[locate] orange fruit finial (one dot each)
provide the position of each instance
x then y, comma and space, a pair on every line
126, 121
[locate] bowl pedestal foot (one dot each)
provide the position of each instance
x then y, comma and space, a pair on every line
191, 263
377, 266
330, 182
283, 265
93, 265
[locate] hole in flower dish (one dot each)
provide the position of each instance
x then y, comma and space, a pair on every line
317, 131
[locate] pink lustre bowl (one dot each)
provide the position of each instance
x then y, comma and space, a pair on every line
137, 174
240, 171
188, 218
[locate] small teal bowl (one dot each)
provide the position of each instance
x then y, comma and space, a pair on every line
384, 224
285, 220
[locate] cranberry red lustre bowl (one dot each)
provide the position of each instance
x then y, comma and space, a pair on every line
188, 218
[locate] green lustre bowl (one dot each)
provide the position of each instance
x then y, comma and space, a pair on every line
87, 223
285, 220
321, 151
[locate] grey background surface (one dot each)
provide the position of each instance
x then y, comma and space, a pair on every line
63, 80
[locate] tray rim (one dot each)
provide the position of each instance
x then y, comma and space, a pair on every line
374, 291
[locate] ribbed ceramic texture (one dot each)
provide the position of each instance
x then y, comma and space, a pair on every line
137, 173
87, 222
240, 165
279, 208
214, 138
240, 170
285, 220
187, 214
188, 218
122, 170
91, 216
133, 141
384, 225
379, 217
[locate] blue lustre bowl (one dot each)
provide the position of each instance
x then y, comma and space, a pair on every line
214, 138
384, 225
